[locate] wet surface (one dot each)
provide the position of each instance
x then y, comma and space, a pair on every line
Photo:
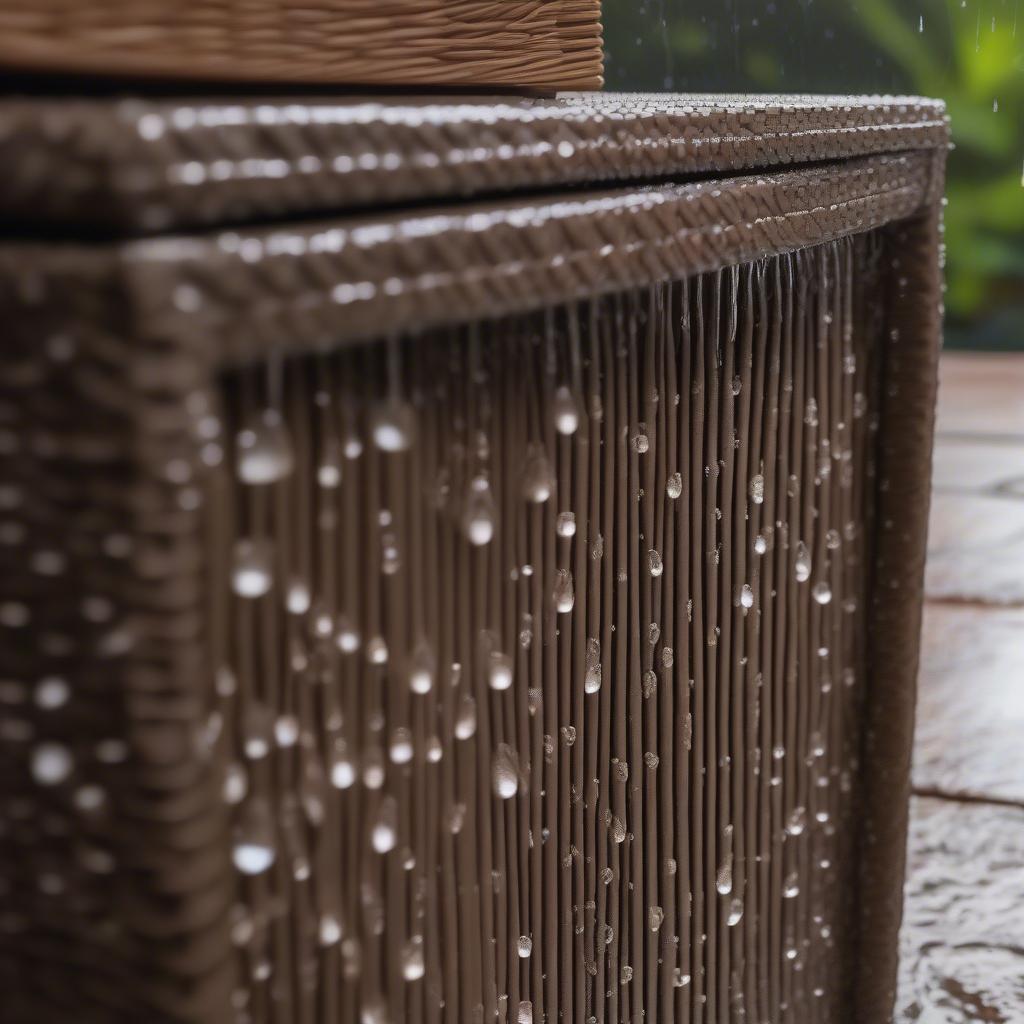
963, 942
971, 705
963, 933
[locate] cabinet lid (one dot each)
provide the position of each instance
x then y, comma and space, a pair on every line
154, 165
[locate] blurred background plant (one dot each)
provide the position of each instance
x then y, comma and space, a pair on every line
968, 52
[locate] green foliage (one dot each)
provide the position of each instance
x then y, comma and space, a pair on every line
968, 52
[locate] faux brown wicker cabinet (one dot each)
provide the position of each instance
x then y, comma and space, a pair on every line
460, 560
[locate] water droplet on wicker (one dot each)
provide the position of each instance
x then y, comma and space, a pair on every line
641, 442
298, 598
618, 829
264, 449
400, 749
538, 480
286, 731
654, 563
626, 974
757, 489
51, 693
592, 672
802, 563
376, 651
328, 473
394, 426
329, 931
347, 636
679, 978
479, 513
655, 918
746, 596
525, 1013
822, 593
525, 947
252, 573
735, 912
674, 485
566, 411
563, 593
465, 718
499, 670
791, 886
342, 771
797, 821
254, 849
760, 544
384, 833
51, 763
565, 524
653, 633
412, 959
257, 730
421, 669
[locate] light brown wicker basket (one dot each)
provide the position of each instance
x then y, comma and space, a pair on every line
537, 44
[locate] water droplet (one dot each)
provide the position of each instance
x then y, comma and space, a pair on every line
376, 651
329, 930
655, 918
257, 730
499, 670
465, 718
735, 912
568, 734
252, 573
421, 669
563, 593
400, 748
566, 411
757, 489
746, 596
760, 544
479, 515
651, 760
347, 636
328, 473
52, 692
737, 385
52, 763
802, 563
797, 821
384, 833
679, 978
565, 524
626, 974
286, 731
254, 850
525, 1013
653, 633
342, 769
822, 593
654, 563
538, 479
412, 959
641, 443
298, 598
791, 886
525, 946
723, 881
394, 426
592, 674
674, 485
264, 449
618, 829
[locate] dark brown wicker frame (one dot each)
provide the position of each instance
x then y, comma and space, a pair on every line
153, 322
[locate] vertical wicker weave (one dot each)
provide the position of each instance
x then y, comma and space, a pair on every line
482, 609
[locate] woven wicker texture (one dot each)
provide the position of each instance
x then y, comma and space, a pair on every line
153, 718
549, 44
158, 165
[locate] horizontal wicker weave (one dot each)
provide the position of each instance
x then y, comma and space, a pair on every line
263, 487
541, 44
158, 165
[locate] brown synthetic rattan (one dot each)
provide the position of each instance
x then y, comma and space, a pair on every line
149, 165
127, 370
543, 44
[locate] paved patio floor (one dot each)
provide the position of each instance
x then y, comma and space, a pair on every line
963, 931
